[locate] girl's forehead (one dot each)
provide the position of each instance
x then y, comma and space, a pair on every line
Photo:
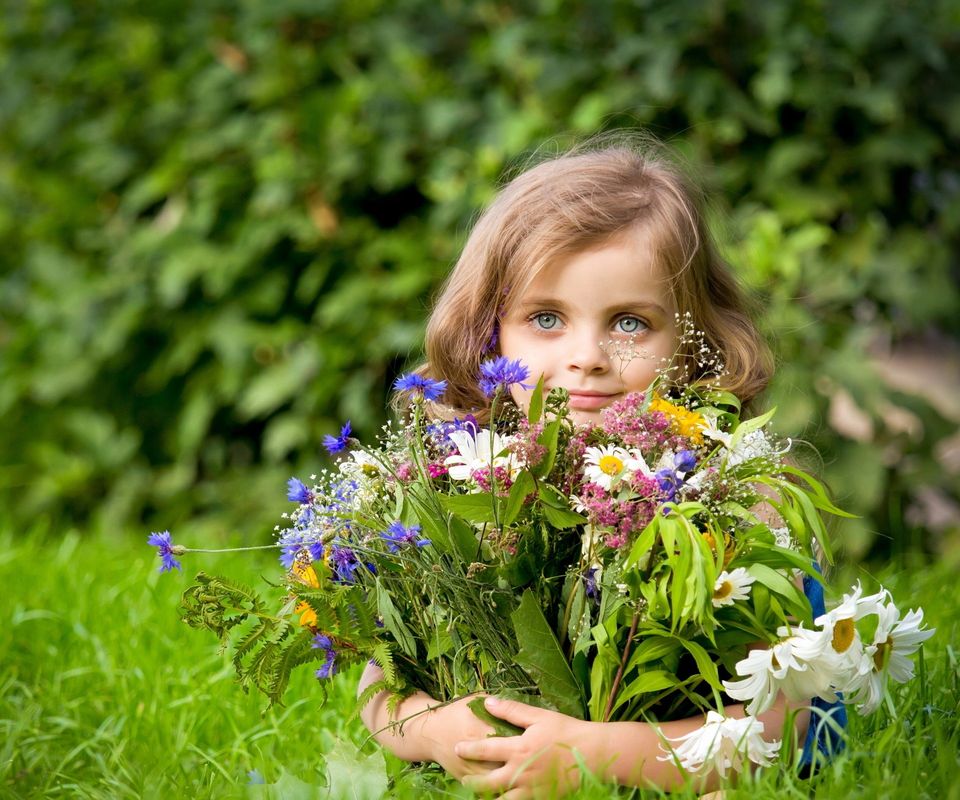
615, 268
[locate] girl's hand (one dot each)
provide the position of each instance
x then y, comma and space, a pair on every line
442, 728
541, 761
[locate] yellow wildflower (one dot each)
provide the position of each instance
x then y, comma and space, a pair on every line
303, 571
683, 421
729, 550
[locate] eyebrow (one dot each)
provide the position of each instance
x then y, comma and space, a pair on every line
552, 302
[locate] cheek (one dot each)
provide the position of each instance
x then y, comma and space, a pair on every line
521, 396
644, 367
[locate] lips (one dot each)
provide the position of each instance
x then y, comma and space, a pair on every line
590, 401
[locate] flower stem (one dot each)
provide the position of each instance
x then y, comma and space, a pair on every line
623, 663
179, 549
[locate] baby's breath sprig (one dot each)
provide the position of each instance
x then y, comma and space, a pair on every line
693, 356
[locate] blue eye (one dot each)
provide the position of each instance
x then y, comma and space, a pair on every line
630, 325
546, 321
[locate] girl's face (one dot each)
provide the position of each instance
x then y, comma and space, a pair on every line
599, 324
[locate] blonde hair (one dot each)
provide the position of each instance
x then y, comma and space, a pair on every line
571, 203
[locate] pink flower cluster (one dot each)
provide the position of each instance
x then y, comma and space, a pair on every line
646, 431
625, 517
406, 471
500, 474
524, 444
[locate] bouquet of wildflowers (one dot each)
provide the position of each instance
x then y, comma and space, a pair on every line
620, 571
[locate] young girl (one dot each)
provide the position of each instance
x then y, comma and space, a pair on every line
578, 261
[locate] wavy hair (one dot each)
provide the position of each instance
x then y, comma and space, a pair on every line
570, 203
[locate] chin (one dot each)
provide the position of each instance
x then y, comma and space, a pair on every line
582, 417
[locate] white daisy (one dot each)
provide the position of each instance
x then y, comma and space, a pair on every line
796, 665
732, 586
478, 452
361, 463
712, 431
838, 624
895, 639
721, 744
608, 464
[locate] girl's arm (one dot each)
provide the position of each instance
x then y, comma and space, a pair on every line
549, 753
416, 733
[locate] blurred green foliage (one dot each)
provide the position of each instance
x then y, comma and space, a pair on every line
220, 224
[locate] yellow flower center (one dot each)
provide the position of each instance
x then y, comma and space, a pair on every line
883, 654
610, 465
843, 635
723, 591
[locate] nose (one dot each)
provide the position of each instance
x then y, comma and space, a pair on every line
588, 353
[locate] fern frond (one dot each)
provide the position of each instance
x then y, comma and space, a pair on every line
296, 652
383, 657
367, 695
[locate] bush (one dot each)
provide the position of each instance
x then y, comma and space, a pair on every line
220, 224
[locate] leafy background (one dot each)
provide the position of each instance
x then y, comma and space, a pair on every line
221, 223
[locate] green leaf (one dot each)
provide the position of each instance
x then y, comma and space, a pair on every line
549, 439
652, 648
553, 497
783, 586
750, 425
462, 537
477, 507
523, 486
394, 622
536, 403
643, 544
705, 664
287, 787
656, 680
354, 776
541, 656
500, 726
562, 518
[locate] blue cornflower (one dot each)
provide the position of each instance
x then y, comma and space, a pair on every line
166, 550
329, 667
298, 492
342, 494
398, 534
685, 461
420, 387
439, 431
344, 562
590, 584
291, 543
502, 373
315, 549
337, 444
669, 483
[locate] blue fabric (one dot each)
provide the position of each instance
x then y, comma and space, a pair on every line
828, 720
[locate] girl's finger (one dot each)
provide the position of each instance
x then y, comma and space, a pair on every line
498, 780
471, 767
517, 793
514, 711
495, 748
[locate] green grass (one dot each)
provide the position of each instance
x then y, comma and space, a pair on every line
105, 694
